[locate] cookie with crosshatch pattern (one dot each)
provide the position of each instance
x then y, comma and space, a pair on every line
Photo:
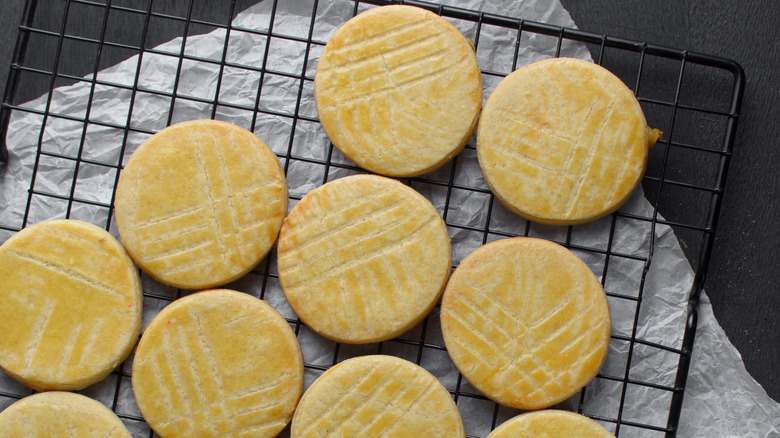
52, 413
200, 203
363, 258
563, 141
398, 90
218, 363
70, 305
377, 395
551, 423
526, 322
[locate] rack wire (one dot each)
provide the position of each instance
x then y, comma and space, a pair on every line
694, 98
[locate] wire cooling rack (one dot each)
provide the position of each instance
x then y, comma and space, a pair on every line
693, 98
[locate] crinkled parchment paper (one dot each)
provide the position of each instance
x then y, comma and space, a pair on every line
721, 398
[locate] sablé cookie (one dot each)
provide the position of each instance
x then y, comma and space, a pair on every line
200, 203
526, 322
551, 423
398, 90
373, 396
218, 363
563, 141
70, 303
56, 414
363, 258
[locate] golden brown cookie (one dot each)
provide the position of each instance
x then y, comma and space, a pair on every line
526, 322
563, 141
70, 305
373, 396
200, 203
56, 414
218, 363
363, 258
551, 423
398, 90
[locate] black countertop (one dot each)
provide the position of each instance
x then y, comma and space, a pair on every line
743, 276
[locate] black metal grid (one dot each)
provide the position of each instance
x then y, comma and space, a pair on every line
694, 98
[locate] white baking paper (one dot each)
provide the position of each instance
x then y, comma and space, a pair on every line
721, 398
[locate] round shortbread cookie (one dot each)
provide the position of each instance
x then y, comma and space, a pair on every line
526, 322
551, 423
200, 203
563, 141
373, 396
59, 414
363, 258
398, 90
218, 363
70, 302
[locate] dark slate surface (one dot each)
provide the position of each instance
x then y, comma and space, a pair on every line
743, 276
744, 280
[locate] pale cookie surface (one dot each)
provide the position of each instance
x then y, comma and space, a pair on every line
200, 203
550, 424
526, 322
398, 90
70, 303
373, 396
363, 258
218, 363
563, 141
59, 414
